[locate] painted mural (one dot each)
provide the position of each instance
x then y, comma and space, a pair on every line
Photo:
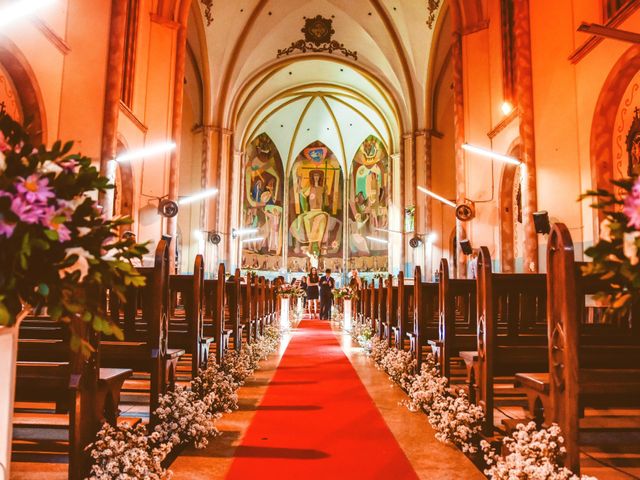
262, 206
369, 206
315, 210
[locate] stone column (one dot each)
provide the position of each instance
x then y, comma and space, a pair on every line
524, 98
176, 128
458, 127
113, 86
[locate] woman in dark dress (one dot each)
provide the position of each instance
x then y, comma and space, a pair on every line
313, 292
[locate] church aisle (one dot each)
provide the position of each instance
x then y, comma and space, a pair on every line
317, 419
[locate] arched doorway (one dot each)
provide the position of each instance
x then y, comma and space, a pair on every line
511, 226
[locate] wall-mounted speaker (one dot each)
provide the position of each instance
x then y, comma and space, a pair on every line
541, 222
465, 246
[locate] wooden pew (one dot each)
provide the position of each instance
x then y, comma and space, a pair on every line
86, 395
381, 309
457, 307
247, 319
151, 354
391, 293
373, 305
590, 365
400, 328
425, 317
187, 331
234, 299
511, 334
214, 299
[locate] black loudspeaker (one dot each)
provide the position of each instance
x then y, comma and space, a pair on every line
214, 238
541, 222
465, 245
415, 241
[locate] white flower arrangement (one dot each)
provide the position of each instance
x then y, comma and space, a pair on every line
125, 452
184, 419
379, 349
426, 386
532, 454
456, 420
363, 334
399, 365
186, 416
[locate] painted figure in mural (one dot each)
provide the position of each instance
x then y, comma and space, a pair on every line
263, 194
633, 145
317, 197
369, 198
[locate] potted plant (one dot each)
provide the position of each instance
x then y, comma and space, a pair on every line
56, 247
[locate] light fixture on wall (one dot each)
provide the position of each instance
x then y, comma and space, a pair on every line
22, 8
491, 154
506, 107
167, 208
239, 232
377, 239
149, 151
437, 197
415, 241
214, 238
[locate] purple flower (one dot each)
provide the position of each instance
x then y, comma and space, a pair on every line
69, 164
34, 189
6, 229
632, 206
54, 220
27, 212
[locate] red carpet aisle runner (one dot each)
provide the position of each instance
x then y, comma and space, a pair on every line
317, 420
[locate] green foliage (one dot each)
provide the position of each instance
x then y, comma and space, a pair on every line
58, 250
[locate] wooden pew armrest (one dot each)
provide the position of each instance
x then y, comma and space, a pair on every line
174, 353
538, 382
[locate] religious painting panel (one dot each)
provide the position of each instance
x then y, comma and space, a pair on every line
315, 210
626, 133
369, 207
262, 211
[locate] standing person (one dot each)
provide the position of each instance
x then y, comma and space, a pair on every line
303, 286
356, 281
327, 284
313, 291
473, 265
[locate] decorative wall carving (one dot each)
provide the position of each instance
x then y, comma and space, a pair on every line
432, 10
318, 33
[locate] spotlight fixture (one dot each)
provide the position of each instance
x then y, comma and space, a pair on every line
465, 246
431, 238
168, 208
541, 222
198, 196
437, 197
23, 8
377, 240
506, 108
491, 154
214, 238
466, 211
146, 151
239, 232
415, 241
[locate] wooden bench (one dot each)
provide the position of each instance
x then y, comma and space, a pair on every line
589, 365
186, 331
457, 327
149, 352
425, 317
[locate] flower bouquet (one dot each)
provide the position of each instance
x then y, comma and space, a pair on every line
287, 290
345, 293
57, 248
615, 255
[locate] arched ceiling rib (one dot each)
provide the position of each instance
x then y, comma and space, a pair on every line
391, 39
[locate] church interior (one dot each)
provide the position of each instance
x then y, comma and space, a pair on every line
320, 239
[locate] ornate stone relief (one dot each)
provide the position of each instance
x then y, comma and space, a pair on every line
318, 33
208, 10
432, 10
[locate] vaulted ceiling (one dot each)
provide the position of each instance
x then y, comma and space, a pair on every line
380, 93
